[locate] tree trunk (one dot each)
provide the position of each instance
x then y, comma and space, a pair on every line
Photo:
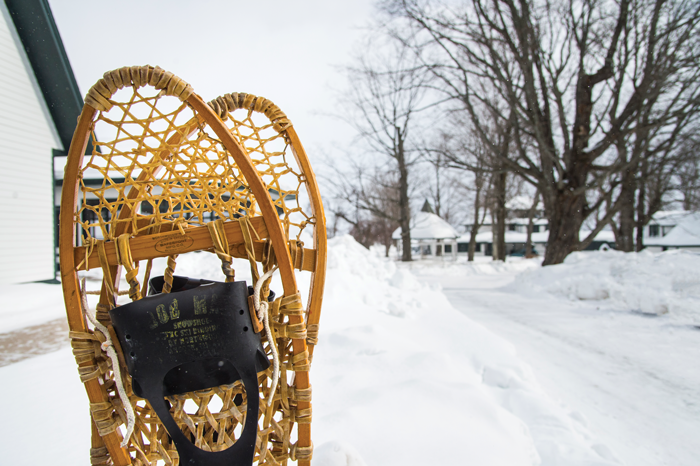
641, 207
499, 231
472, 242
437, 186
478, 183
625, 239
565, 220
404, 206
530, 218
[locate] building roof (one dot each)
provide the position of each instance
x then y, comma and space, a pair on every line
487, 220
522, 202
425, 225
685, 233
668, 217
42, 42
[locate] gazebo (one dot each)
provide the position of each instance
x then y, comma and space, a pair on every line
431, 236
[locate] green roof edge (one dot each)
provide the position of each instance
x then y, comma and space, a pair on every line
42, 42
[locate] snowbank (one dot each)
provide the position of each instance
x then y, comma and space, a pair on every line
482, 265
403, 378
645, 282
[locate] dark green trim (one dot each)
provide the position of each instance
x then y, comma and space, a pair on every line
42, 43
56, 264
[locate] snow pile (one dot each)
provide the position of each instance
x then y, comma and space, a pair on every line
645, 282
402, 378
482, 265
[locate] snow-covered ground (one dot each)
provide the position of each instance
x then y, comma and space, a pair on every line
405, 376
614, 336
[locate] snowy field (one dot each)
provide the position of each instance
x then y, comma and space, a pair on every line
407, 372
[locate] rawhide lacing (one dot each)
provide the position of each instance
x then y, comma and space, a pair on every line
124, 259
261, 309
102, 411
229, 102
100, 94
221, 248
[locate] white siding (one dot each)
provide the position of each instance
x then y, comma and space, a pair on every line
27, 137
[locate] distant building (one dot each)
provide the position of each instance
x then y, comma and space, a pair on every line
673, 230
516, 240
40, 106
657, 233
431, 236
519, 206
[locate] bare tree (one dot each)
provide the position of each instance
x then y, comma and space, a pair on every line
464, 152
583, 85
367, 198
386, 93
445, 188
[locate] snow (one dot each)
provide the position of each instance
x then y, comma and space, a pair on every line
669, 217
29, 304
425, 225
403, 375
648, 283
629, 377
521, 202
603, 235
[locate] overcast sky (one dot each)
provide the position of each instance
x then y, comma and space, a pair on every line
287, 51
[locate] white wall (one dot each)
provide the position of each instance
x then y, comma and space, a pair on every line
27, 137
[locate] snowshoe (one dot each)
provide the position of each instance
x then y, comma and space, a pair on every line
200, 372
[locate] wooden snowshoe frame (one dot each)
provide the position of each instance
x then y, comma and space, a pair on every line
170, 166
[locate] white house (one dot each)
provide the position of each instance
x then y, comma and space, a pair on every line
516, 240
39, 106
431, 236
684, 235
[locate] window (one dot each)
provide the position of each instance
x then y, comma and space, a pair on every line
653, 231
535, 228
511, 227
448, 249
462, 247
